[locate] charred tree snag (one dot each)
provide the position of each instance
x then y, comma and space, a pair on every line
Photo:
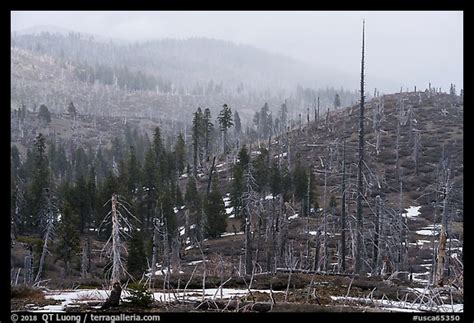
359, 223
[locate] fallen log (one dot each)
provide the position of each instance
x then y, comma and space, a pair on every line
233, 305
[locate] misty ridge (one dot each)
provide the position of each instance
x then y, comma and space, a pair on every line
198, 67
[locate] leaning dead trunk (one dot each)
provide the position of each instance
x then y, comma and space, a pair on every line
47, 237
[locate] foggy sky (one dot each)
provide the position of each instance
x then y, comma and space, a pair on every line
403, 48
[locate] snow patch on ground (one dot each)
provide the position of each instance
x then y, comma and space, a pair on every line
69, 297
162, 272
390, 305
226, 234
294, 216
413, 212
192, 263
429, 230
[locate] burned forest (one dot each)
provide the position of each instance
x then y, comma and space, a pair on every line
194, 175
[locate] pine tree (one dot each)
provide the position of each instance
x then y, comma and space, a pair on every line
80, 162
180, 153
237, 189
196, 138
67, 243
238, 183
214, 209
225, 122
157, 144
179, 197
36, 201
81, 203
337, 101
92, 195
136, 259
167, 212
275, 179
44, 114
133, 171
237, 124
150, 181
61, 162
244, 157
208, 127
71, 109
261, 170
191, 197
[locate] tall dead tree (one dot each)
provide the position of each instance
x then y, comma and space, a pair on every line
116, 260
359, 223
343, 209
325, 239
308, 212
114, 246
47, 236
154, 251
250, 197
441, 257
397, 141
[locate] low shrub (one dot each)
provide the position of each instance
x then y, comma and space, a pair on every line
26, 292
139, 295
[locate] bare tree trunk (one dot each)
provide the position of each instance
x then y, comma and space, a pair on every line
441, 259
433, 258
316, 252
248, 248
204, 272
397, 143
116, 262
325, 239
343, 209
187, 230
47, 237
307, 218
154, 251
85, 259
359, 223
28, 265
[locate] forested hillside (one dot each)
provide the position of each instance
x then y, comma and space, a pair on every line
290, 193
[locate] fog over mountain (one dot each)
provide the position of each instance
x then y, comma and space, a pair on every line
404, 49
